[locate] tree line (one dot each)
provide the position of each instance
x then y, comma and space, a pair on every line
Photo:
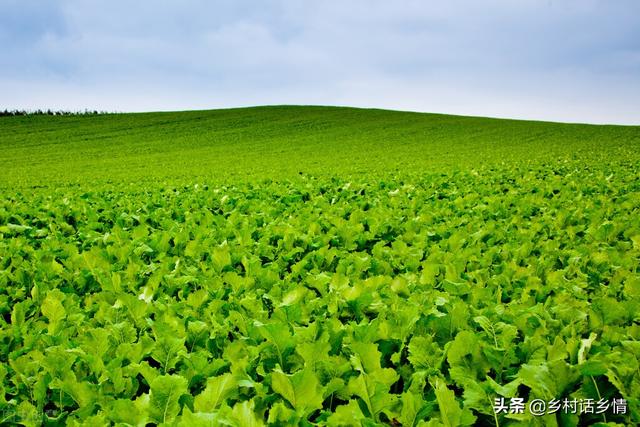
5, 113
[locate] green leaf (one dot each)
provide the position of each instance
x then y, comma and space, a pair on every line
465, 344
632, 284
199, 419
279, 337
424, 354
450, 412
18, 313
368, 357
412, 405
314, 353
374, 383
348, 415
221, 257
217, 391
126, 411
374, 390
165, 393
80, 391
168, 348
53, 309
244, 414
14, 228
3, 375
28, 415
302, 390
280, 413
585, 346
506, 390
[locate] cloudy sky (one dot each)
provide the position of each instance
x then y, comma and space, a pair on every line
562, 60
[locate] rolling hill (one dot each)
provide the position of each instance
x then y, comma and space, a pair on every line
282, 141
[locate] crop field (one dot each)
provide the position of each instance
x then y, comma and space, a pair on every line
317, 266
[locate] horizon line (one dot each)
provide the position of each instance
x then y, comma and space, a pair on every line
93, 111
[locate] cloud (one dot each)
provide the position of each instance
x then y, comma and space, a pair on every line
573, 60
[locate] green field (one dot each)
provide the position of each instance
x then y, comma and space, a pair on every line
316, 266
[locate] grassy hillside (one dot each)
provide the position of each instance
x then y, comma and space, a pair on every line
318, 267
274, 142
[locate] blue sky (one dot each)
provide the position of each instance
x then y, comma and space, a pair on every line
571, 60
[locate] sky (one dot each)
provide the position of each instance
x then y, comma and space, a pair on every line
558, 60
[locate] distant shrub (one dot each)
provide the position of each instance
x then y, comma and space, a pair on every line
49, 112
